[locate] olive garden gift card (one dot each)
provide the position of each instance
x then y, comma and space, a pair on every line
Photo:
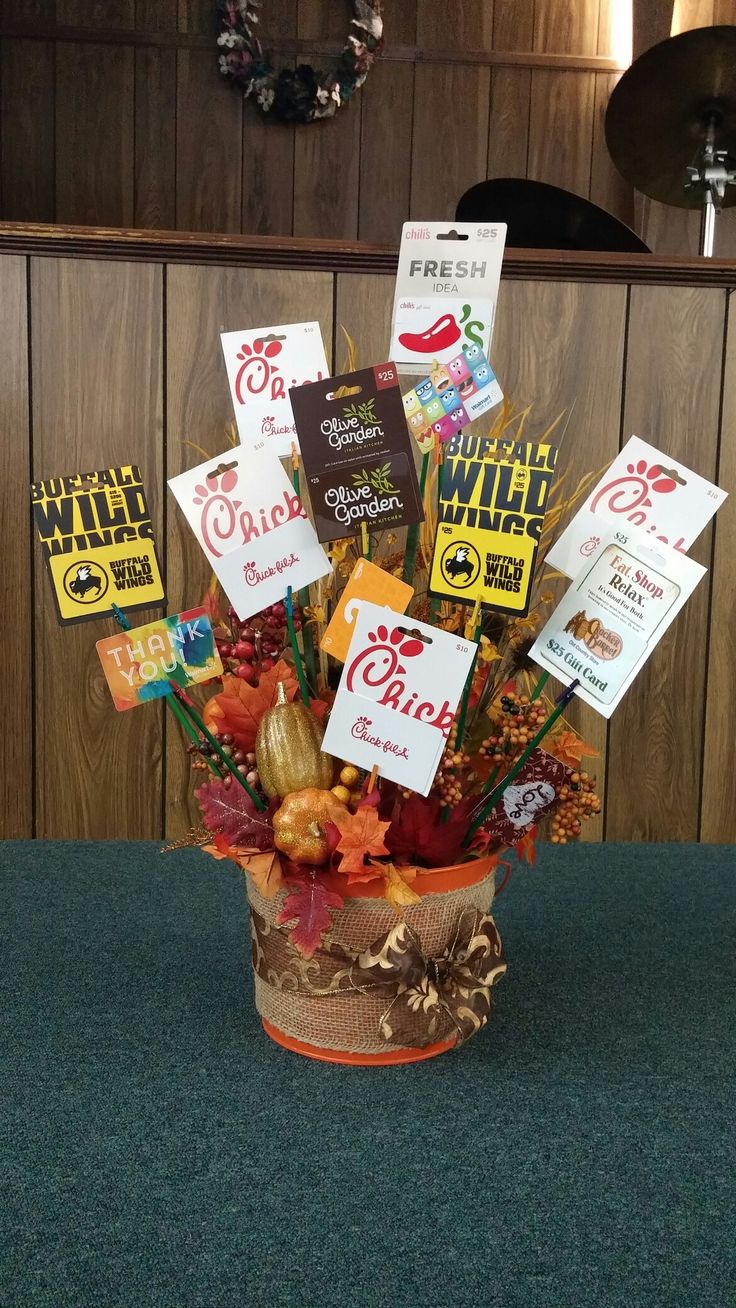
97, 538
492, 500
357, 453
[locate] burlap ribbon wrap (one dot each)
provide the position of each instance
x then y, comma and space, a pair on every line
379, 981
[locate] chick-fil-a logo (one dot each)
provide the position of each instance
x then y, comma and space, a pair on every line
378, 674
630, 494
360, 731
222, 518
254, 577
257, 371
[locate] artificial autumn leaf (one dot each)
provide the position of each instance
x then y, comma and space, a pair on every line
418, 834
569, 748
229, 812
239, 707
526, 847
307, 905
220, 848
397, 889
265, 869
361, 837
211, 601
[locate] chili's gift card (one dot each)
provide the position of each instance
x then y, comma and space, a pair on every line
97, 539
357, 453
491, 510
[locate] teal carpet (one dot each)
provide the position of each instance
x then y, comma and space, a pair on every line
159, 1150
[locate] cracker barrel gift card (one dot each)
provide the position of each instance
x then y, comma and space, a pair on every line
451, 396
492, 501
366, 582
397, 696
252, 527
446, 291
147, 662
261, 367
617, 609
357, 453
97, 538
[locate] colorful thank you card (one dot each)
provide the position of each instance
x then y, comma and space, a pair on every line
262, 365
366, 582
602, 632
642, 488
357, 453
493, 495
397, 696
446, 291
97, 538
148, 662
451, 396
252, 527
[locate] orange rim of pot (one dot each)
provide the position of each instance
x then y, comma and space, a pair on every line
429, 881
389, 1058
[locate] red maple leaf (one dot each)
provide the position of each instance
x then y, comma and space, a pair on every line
361, 837
229, 812
418, 834
307, 905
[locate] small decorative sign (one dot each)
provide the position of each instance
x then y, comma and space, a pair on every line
262, 365
528, 799
446, 291
366, 582
97, 539
147, 662
492, 501
644, 489
453, 395
252, 527
397, 696
614, 614
357, 453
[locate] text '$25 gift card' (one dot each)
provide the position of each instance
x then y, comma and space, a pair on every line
398, 696
357, 453
252, 526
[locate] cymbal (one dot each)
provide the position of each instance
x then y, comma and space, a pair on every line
658, 113
544, 217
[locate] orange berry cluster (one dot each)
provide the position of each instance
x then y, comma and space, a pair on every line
517, 723
448, 784
577, 802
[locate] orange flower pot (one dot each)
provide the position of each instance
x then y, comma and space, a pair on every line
328, 1008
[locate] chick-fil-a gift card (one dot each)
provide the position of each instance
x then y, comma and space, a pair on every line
398, 695
643, 488
366, 582
148, 662
262, 365
446, 291
453, 395
614, 614
252, 527
357, 453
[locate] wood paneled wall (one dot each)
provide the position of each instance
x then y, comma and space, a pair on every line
114, 113
106, 359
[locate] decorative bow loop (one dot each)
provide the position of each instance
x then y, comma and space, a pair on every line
432, 999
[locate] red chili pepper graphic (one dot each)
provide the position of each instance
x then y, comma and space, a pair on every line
443, 333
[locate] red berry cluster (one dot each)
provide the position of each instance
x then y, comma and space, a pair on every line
249, 648
244, 762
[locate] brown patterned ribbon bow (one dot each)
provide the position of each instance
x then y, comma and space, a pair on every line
432, 999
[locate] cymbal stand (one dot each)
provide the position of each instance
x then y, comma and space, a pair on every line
712, 177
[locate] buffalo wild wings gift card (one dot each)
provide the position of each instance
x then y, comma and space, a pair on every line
617, 610
644, 489
147, 662
357, 453
252, 526
493, 495
97, 538
397, 697
261, 367
366, 582
453, 395
446, 291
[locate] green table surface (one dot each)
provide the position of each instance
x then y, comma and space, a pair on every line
159, 1150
